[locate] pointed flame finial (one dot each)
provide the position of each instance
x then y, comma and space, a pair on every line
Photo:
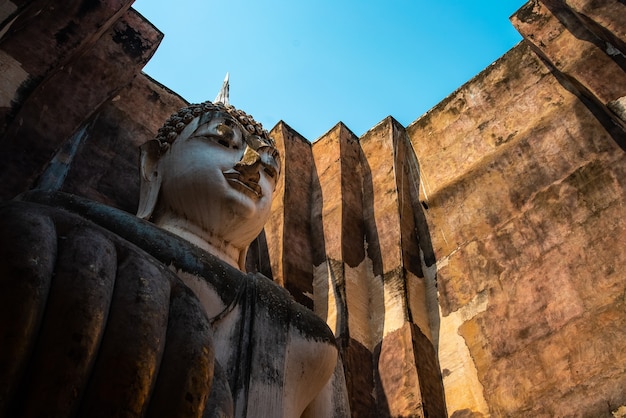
222, 96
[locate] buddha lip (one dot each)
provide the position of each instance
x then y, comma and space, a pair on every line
250, 186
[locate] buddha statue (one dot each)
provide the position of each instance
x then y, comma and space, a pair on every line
107, 314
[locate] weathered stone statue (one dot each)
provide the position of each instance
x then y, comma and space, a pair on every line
105, 314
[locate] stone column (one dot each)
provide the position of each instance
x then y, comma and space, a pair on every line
407, 372
343, 280
584, 43
369, 284
287, 231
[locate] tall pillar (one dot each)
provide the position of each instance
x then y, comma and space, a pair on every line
407, 373
344, 284
288, 229
368, 279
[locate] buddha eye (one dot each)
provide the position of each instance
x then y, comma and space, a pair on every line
270, 171
228, 144
228, 135
270, 160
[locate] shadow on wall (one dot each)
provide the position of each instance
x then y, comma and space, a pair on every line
372, 241
427, 267
258, 257
591, 103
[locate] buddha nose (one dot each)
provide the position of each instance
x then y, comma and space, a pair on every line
249, 165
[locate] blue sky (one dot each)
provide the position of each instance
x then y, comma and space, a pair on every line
313, 64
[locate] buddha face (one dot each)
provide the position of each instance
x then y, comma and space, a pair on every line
217, 182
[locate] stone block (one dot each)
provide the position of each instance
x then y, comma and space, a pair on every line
41, 37
408, 376
61, 104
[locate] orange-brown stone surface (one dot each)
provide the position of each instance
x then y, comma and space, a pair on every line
522, 173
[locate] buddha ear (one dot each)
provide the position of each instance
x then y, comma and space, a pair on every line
151, 177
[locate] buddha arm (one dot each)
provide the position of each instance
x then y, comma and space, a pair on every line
310, 368
332, 400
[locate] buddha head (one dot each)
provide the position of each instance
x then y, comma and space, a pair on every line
209, 176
